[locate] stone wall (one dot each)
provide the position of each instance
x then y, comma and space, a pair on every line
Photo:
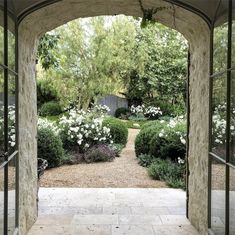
195, 31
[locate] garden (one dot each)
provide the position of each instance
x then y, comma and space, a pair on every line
81, 62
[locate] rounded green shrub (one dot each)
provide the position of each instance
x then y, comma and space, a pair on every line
99, 153
169, 145
51, 108
122, 112
118, 130
50, 147
143, 139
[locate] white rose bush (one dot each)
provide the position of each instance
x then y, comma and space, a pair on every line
83, 129
150, 112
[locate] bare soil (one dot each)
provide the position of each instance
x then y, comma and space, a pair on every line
123, 172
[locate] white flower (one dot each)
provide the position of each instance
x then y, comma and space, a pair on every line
161, 134
180, 160
183, 141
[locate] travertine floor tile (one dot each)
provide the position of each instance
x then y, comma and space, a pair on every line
132, 230
95, 219
139, 219
175, 230
92, 230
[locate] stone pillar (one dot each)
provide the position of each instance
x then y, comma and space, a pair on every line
27, 131
199, 129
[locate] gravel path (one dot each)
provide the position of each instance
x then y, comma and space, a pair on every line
123, 172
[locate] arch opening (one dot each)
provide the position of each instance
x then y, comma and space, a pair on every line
194, 29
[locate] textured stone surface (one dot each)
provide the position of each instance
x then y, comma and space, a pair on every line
195, 31
86, 219
27, 132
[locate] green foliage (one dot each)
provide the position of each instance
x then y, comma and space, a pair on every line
118, 130
166, 170
169, 145
166, 51
51, 108
45, 92
122, 113
137, 117
90, 60
168, 109
145, 160
50, 147
99, 153
47, 44
143, 139
117, 148
151, 124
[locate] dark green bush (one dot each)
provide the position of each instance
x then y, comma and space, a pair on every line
45, 92
118, 130
169, 145
171, 172
51, 108
50, 147
99, 153
122, 112
143, 139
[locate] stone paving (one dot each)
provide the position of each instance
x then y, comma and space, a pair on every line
112, 211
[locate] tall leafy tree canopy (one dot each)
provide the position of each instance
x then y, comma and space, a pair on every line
97, 56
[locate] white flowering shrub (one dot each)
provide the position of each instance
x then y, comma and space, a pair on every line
219, 128
163, 139
149, 112
83, 129
11, 127
219, 125
43, 123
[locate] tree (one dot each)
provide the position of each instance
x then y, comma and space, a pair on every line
93, 55
47, 44
109, 55
165, 70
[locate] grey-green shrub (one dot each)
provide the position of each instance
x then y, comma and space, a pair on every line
170, 172
50, 147
145, 160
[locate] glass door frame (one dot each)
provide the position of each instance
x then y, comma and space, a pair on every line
8, 155
213, 156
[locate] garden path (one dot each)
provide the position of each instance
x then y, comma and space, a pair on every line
123, 172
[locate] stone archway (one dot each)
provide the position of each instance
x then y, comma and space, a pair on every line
195, 30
